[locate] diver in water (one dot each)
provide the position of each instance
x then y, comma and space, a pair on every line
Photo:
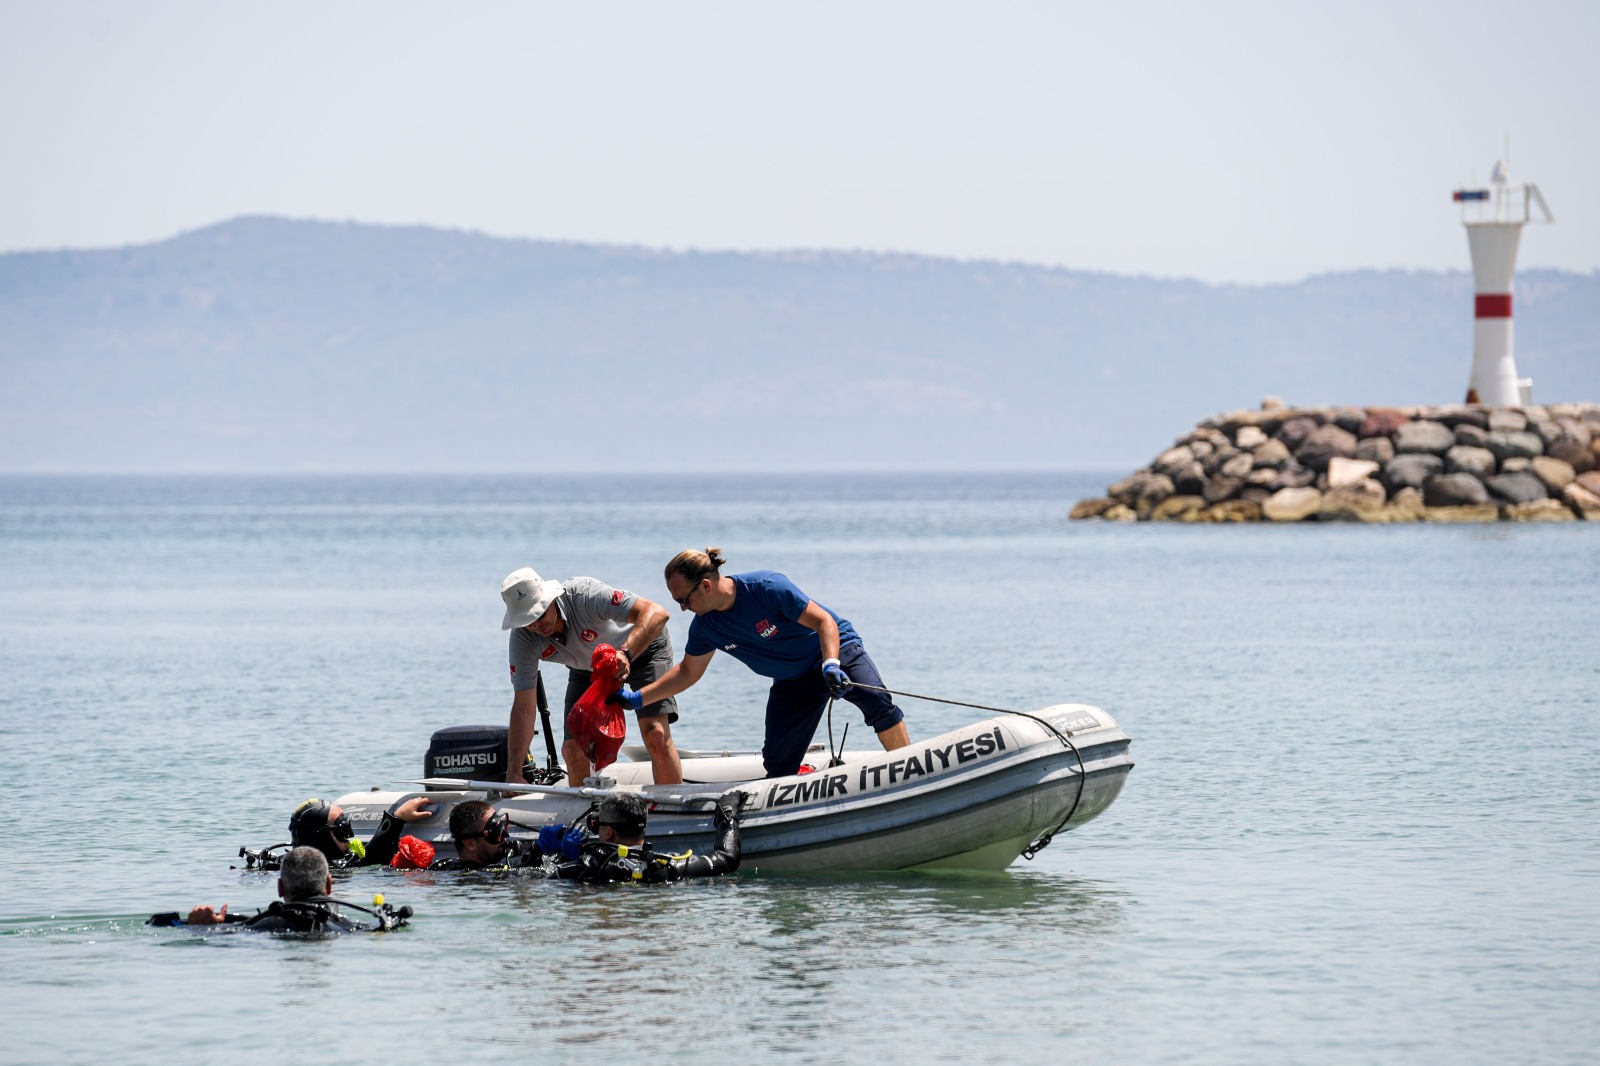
304, 905
483, 840
619, 851
615, 851
325, 826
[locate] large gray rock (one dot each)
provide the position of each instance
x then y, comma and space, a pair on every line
1127, 491
1375, 449
1238, 465
1249, 438
1272, 453
1547, 432
1291, 505
1152, 491
1411, 471
1517, 488
1575, 454
1219, 458
1454, 490
1360, 500
1349, 419
1461, 416
1555, 474
1479, 462
1470, 435
1506, 420
1576, 429
1291, 475
1173, 460
1511, 444
1431, 437
1190, 481
1325, 443
1222, 487
1255, 494
1294, 432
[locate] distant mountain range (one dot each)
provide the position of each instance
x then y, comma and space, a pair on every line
266, 344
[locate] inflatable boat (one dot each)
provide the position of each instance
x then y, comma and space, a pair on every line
972, 799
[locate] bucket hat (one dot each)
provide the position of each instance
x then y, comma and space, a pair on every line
527, 596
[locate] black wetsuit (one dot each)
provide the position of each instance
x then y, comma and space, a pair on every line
599, 862
318, 915
378, 852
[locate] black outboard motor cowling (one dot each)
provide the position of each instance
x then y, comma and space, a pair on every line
470, 752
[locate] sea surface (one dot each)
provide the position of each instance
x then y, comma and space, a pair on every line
1363, 825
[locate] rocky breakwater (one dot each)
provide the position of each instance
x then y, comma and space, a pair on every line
1370, 464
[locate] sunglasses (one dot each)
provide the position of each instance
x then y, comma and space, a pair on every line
683, 601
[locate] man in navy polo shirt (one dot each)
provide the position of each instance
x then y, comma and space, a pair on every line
764, 621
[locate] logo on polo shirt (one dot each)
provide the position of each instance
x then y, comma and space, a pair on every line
617, 598
588, 636
765, 628
513, 668
549, 651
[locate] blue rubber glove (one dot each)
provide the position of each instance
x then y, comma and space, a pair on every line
626, 696
561, 840
835, 677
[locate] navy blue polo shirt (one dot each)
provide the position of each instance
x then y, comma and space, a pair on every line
762, 628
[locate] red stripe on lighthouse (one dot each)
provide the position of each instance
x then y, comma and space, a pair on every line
1494, 305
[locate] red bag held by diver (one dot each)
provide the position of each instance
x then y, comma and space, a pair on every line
413, 854
596, 725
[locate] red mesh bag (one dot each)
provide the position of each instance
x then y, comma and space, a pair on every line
596, 725
413, 854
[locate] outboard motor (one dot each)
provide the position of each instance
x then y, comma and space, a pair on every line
470, 752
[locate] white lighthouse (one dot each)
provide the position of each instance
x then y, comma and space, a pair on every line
1494, 218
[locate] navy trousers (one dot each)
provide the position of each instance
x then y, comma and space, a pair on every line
795, 707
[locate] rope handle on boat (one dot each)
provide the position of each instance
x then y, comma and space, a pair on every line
1065, 736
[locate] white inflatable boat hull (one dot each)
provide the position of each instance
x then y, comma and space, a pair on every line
970, 799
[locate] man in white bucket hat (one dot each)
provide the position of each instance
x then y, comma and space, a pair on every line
562, 622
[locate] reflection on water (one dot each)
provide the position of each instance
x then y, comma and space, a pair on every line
780, 954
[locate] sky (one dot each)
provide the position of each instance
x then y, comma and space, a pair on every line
1231, 142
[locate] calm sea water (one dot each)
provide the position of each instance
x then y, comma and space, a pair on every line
1362, 827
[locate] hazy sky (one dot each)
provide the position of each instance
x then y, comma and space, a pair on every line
1228, 141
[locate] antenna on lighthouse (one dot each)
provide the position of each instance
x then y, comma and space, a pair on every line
1494, 219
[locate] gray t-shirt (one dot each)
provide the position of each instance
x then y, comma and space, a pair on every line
595, 613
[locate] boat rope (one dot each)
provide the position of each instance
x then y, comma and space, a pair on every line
1065, 736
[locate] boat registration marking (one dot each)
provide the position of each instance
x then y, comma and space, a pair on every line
873, 776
